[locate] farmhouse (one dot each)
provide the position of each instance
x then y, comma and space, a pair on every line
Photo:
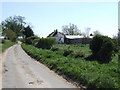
58, 35
69, 39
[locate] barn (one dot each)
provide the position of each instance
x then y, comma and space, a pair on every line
69, 39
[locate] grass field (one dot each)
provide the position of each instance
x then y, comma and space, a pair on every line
85, 72
6, 45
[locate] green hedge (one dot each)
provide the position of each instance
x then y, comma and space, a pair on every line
46, 43
30, 40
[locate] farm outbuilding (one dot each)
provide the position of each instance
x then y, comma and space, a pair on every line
58, 35
69, 39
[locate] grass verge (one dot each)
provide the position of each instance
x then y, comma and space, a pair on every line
6, 45
86, 73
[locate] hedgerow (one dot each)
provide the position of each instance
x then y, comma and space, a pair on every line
30, 40
46, 43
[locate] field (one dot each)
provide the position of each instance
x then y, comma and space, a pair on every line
70, 61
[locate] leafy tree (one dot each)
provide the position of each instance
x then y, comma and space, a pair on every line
30, 40
102, 48
28, 32
15, 23
10, 34
119, 40
70, 29
119, 37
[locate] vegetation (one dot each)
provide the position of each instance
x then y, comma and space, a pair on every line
6, 44
102, 48
15, 26
30, 40
46, 43
91, 74
11, 35
28, 32
70, 29
15, 23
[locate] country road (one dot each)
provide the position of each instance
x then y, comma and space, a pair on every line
21, 71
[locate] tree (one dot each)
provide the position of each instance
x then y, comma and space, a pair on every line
96, 32
10, 34
70, 29
119, 40
16, 24
28, 32
86, 33
119, 37
102, 48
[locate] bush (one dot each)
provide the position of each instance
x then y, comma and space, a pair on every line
54, 48
11, 35
116, 48
5, 41
30, 40
102, 47
67, 52
78, 54
46, 43
35, 41
106, 51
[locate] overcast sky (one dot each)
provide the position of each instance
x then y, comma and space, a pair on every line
47, 16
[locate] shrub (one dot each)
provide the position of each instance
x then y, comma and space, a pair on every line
35, 41
116, 48
5, 41
30, 40
11, 35
106, 51
96, 44
54, 48
78, 54
67, 52
102, 47
46, 43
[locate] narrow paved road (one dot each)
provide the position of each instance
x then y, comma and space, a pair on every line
21, 71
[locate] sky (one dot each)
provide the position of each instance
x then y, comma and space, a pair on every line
45, 17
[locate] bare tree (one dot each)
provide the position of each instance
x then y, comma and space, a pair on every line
70, 29
86, 33
96, 32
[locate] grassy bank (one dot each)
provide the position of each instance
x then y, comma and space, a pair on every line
6, 45
87, 73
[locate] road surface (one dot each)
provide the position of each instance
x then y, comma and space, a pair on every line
21, 71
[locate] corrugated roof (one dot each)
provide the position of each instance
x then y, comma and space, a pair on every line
74, 36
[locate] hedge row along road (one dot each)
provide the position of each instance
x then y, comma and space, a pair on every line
21, 71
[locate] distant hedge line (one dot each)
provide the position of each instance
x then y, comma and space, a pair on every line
44, 43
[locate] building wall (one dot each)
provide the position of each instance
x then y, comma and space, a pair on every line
77, 41
60, 39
